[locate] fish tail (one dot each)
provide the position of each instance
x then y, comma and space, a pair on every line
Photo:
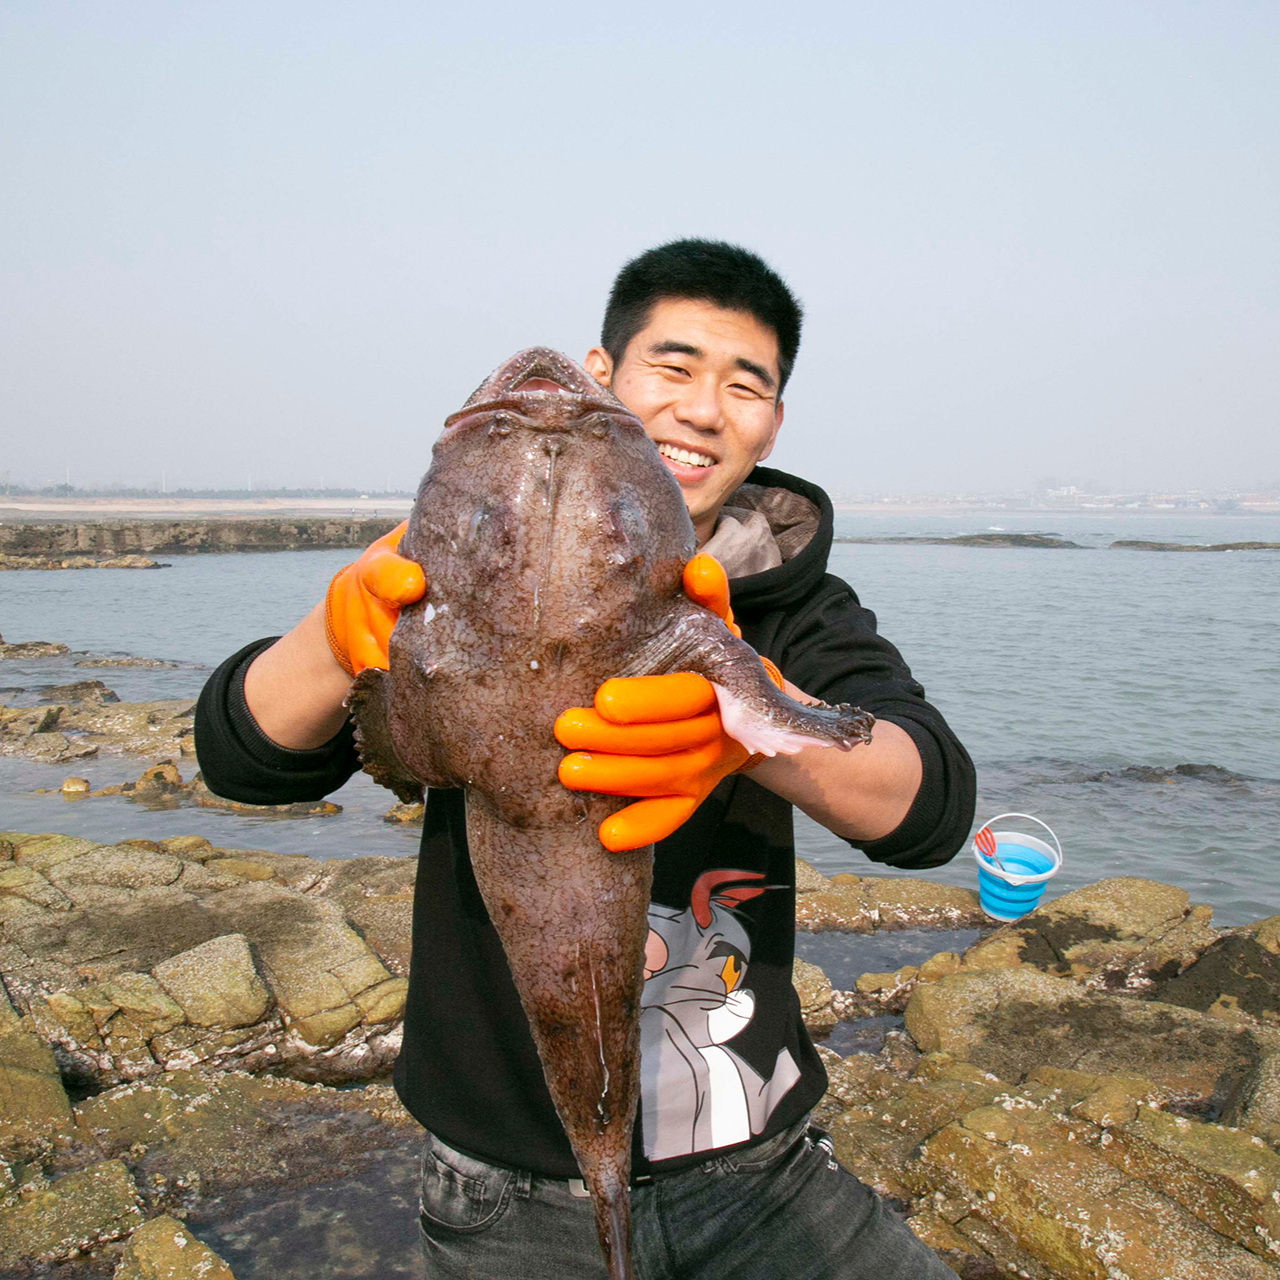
619, 1252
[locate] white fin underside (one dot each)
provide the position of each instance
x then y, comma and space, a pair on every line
756, 733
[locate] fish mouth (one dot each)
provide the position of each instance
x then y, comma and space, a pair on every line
542, 389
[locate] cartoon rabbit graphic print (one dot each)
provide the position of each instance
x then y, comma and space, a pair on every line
697, 1093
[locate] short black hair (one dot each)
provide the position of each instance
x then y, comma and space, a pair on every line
706, 270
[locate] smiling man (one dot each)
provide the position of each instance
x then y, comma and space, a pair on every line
730, 1178
706, 383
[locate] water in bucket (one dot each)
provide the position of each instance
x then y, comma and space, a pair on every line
1013, 868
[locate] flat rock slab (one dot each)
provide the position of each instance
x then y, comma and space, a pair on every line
56, 1221
1120, 933
66, 732
863, 904
135, 957
216, 984
163, 1249
1028, 1175
34, 1111
1011, 1021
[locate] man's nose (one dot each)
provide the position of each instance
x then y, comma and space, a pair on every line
699, 406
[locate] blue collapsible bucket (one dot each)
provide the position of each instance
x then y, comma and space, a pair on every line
1011, 883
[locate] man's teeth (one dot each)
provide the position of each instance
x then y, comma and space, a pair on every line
684, 455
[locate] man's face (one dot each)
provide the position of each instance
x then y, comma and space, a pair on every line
704, 383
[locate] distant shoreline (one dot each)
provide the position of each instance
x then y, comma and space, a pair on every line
39, 510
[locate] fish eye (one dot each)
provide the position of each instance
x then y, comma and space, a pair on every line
488, 523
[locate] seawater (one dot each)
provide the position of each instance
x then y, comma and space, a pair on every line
1076, 679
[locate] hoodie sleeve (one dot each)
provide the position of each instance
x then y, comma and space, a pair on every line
238, 761
832, 650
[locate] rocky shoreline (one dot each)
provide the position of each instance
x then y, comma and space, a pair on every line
97, 542
1091, 1092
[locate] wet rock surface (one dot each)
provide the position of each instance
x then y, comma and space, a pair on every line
1093, 1091
1122, 933
82, 726
163, 1249
32, 649
171, 1179
161, 786
1236, 974
77, 562
91, 691
140, 957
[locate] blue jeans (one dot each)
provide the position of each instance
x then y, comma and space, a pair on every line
783, 1210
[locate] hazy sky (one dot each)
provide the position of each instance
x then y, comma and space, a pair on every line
1033, 239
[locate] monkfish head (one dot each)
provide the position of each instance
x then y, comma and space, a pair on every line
546, 508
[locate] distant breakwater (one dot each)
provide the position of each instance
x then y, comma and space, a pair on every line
1048, 541
188, 537
1183, 546
1052, 542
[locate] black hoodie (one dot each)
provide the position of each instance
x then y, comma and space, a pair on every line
726, 1061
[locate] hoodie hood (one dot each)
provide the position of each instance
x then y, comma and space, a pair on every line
800, 519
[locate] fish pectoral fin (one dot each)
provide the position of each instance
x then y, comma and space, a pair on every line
769, 729
752, 709
368, 703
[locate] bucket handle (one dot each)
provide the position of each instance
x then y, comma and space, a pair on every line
1030, 818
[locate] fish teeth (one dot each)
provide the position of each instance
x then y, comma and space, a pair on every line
686, 456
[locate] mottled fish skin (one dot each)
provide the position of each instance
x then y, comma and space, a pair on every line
553, 540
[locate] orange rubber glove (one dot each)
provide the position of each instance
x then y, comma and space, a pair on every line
656, 737
364, 600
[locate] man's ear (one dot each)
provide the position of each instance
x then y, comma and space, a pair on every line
598, 365
777, 422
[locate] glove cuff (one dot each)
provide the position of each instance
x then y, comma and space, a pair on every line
330, 630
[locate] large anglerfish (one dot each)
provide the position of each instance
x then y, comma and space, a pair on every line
553, 539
